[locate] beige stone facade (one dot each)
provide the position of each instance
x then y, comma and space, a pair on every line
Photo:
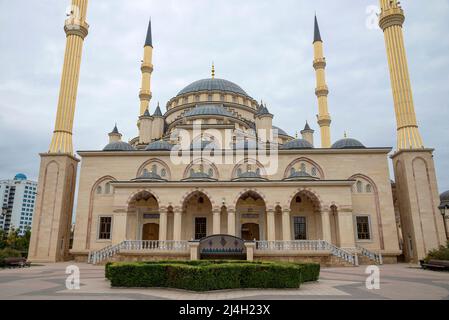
214, 164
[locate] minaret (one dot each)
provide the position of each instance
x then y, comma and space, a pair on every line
391, 21
321, 91
414, 167
147, 69
50, 236
76, 30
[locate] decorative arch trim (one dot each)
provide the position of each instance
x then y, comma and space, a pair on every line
309, 161
263, 172
200, 161
313, 195
191, 192
377, 204
244, 191
146, 163
91, 206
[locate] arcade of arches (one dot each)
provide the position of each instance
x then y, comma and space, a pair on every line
251, 219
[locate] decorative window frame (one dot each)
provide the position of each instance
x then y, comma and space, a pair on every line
99, 225
370, 226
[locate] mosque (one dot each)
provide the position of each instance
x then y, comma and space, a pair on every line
213, 164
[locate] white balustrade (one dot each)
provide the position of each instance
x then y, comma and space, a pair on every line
130, 245
377, 257
307, 245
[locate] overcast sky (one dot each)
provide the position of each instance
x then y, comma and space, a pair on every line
264, 46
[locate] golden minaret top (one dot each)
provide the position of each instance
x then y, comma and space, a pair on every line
391, 20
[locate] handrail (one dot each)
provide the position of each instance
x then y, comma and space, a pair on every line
98, 256
307, 245
377, 257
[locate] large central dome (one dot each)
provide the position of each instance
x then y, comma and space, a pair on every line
213, 85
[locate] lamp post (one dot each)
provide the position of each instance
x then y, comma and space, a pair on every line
444, 209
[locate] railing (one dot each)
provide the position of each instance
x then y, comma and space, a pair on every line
130, 245
156, 245
307, 245
377, 257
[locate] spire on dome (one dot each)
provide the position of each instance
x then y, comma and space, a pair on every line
115, 130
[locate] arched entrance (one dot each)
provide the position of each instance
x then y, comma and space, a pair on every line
250, 232
197, 220
251, 216
150, 232
143, 217
305, 217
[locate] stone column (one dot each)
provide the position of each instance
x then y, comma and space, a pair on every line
194, 250
286, 230
346, 228
216, 215
119, 226
231, 221
163, 224
271, 227
177, 224
250, 248
326, 226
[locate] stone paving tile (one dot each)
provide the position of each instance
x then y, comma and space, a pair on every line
397, 282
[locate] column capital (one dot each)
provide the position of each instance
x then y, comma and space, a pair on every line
76, 28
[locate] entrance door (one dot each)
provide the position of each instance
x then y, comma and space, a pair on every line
150, 232
300, 228
250, 231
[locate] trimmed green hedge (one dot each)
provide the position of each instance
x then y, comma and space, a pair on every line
210, 275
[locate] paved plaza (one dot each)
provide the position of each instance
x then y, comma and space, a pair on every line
397, 282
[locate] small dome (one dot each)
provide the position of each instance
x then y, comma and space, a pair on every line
297, 144
300, 175
119, 146
203, 145
199, 176
444, 197
160, 145
250, 176
20, 176
213, 85
280, 131
208, 110
348, 143
150, 176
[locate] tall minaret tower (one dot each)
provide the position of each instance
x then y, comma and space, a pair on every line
147, 69
321, 91
50, 236
391, 21
76, 30
414, 168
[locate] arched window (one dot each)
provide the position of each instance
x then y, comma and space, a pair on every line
145, 171
303, 167
209, 97
369, 188
314, 171
258, 171
211, 173
107, 188
298, 199
163, 173
292, 171
99, 190
154, 168
359, 187
239, 172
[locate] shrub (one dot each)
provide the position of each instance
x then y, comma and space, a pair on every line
8, 253
438, 254
210, 275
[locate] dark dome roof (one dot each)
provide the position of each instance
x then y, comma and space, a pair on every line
280, 131
160, 145
444, 197
300, 175
150, 176
208, 110
203, 144
348, 143
250, 176
119, 146
213, 85
246, 145
297, 144
20, 176
199, 176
